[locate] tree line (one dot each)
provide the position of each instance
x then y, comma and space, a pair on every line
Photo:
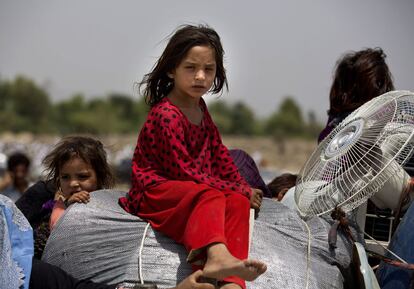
27, 107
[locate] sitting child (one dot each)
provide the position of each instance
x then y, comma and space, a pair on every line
184, 182
76, 166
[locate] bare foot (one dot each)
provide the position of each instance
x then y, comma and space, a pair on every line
220, 268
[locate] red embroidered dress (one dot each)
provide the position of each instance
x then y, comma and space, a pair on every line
185, 183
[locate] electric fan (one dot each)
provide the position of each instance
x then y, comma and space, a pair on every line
361, 158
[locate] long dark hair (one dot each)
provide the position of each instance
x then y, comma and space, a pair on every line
158, 84
359, 77
89, 150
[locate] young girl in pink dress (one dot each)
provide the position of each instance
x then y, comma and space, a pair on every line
184, 181
77, 165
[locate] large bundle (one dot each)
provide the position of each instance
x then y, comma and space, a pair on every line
102, 242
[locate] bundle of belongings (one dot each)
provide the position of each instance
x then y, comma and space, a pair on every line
102, 242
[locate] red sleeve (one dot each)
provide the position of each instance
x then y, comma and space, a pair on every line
228, 170
225, 164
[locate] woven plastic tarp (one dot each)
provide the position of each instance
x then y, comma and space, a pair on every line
101, 241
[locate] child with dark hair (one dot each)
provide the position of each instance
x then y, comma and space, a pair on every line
281, 184
359, 77
184, 181
76, 166
15, 181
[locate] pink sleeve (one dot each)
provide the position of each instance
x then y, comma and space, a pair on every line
57, 212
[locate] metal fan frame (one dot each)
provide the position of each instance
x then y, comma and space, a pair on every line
358, 197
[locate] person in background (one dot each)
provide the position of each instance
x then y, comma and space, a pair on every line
249, 171
359, 77
279, 186
15, 181
76, 166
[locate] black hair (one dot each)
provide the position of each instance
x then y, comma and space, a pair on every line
17, 158
158, 84
89, 150
359, 77
284, 181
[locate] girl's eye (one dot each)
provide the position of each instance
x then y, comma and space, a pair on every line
189, 67
83, 177
64, 177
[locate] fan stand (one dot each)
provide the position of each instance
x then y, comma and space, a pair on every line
365, 275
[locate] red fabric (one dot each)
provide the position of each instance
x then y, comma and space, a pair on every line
170, 147
197, 215
185, 183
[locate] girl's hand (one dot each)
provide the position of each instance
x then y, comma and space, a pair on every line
191, 282
79, 197
256, 198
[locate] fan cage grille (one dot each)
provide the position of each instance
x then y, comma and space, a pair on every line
358, 170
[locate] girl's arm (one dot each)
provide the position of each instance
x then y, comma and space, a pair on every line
226, 168
79, 197
225, 164
60, 206
57, 212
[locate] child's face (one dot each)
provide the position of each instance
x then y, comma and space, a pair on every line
20, 173
195, 74
76, 175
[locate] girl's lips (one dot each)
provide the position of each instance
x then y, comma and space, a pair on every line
199, 88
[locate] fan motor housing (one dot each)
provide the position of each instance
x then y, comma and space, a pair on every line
345, 138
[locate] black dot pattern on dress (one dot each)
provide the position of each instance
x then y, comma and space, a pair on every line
169, 147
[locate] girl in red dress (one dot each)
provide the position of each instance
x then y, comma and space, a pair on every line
184, 181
